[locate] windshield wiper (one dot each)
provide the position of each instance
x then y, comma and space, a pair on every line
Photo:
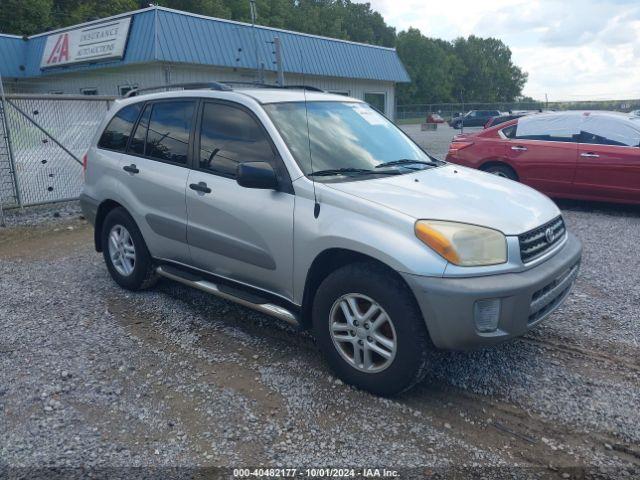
406, 161
346, 171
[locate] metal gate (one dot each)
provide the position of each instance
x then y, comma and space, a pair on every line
43, 140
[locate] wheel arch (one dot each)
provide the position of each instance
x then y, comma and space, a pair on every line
497, 162
103, 210
329, 261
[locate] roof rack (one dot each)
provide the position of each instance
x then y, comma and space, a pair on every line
303, 87
267, 85
184, 86
220, 86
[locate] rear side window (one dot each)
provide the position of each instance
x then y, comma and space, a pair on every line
118, 131
551, 128
168, 131
510, 132
230, 136
137, 145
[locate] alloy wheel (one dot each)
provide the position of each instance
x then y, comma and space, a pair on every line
122, 251
363, 333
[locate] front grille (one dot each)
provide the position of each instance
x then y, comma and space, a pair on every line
551, 295
538, 241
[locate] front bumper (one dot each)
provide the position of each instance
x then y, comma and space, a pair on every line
527, 297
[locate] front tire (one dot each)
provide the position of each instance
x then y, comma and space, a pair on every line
370, 329
503, 171
125, 252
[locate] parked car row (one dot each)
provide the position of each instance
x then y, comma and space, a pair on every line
474, 118
579, 155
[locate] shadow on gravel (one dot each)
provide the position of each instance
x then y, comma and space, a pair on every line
614, 209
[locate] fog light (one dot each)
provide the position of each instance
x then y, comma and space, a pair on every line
486, 314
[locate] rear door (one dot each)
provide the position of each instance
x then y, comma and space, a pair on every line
544, 152
609, 159
154, 176
243, 234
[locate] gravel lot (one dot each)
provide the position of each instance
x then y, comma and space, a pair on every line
94, 376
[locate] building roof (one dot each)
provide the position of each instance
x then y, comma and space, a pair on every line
11, 55
166, 35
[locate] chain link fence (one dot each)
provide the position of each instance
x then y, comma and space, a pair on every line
48, 135
417, 113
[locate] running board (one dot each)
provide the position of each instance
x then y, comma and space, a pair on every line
210, 287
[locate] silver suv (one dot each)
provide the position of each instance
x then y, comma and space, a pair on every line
315, 209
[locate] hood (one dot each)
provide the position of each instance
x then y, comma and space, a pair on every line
458, 194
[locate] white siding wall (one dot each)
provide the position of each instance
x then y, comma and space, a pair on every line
107, 81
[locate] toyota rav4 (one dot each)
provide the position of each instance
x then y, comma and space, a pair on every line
315, 209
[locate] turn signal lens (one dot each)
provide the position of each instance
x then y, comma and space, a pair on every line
437, 241
463, 244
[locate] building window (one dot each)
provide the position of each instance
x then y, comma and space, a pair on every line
343, 93
124, 89
377, 101
89, 91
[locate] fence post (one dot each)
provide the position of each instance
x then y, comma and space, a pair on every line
7, 129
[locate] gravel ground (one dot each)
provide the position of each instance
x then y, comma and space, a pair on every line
94, 376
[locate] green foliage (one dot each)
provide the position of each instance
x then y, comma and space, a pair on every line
25, 16
472, 69
490, 74
466, 70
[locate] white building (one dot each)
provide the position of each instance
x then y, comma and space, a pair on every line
157, 46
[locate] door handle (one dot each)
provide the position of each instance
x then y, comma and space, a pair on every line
131, 168
200, 187
519, 148
590, 155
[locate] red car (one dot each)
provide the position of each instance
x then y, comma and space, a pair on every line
581, 155
435, 118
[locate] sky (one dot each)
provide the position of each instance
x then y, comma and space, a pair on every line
572, 50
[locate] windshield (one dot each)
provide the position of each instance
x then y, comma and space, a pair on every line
344, 136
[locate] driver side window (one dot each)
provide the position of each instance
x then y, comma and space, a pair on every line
230, 136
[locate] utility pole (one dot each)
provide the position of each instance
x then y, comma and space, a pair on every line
254, 15
278, 52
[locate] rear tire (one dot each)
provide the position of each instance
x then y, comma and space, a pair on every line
503, 171
125, 252
371, 353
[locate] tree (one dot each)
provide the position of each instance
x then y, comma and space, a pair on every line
23, 17
490, 74
430, 64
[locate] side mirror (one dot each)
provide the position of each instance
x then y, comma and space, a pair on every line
257, 175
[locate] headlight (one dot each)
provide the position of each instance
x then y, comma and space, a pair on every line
463, 244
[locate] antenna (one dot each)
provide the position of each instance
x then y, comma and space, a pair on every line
316, 205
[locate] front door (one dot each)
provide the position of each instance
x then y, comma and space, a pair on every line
609, 159
546, 166
154, 176
239, 233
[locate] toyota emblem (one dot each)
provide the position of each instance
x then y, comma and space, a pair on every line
550, 235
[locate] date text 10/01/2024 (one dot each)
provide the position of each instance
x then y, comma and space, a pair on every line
315, 472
